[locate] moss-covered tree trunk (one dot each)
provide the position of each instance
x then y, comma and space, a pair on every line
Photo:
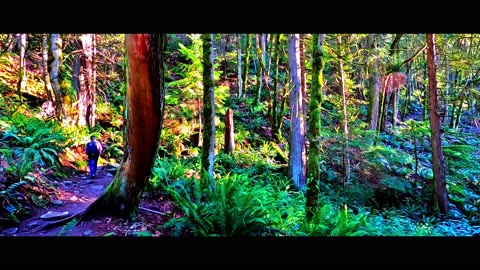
246, 63
438, 164
303, 77
208, 154
297, 152
314, 124
260, 68
384, 105
145, 97
56, 77
373, 89
21, 84
45, 75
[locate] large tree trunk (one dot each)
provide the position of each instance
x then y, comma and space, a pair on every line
297, 151
45, 75
208, 154
84, 81
145, 97
438, 164
56, 77
374, 91
314, 124
21, 71
80, 85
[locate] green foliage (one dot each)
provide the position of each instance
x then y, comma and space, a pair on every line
384, 157
35, 140
329, 220
113, 144
168, 170
233, 205
9, 200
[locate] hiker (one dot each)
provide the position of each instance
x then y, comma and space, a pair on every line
93, 150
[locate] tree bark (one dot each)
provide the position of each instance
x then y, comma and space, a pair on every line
374, 91
46, 76
84, 81
314, 124
260, 68
56, 77
229, 132
239, 66
276, 49
145, 97
208, 154
21, 71
92, 81
297, 151
248, 47
346, 147
438, 166
303, 77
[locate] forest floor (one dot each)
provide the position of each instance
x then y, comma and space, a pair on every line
76, 193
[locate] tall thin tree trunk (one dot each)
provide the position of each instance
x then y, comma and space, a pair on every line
314, 123
447, 92
229, 132
260, 68
346, 150
297, 151
425, 92
246, 63
45, 75
384, 107
265, 55
92, 116
276, 50
200, 123
239, 66
303, 78
208, 154
408, 93
55, 73
79, 83
21, 71
283, 105
395, 94
438, 165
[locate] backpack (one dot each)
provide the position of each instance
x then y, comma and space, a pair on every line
92, 149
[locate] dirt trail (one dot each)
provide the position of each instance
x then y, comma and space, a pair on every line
76, 193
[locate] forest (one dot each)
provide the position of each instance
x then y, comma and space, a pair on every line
247, 134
